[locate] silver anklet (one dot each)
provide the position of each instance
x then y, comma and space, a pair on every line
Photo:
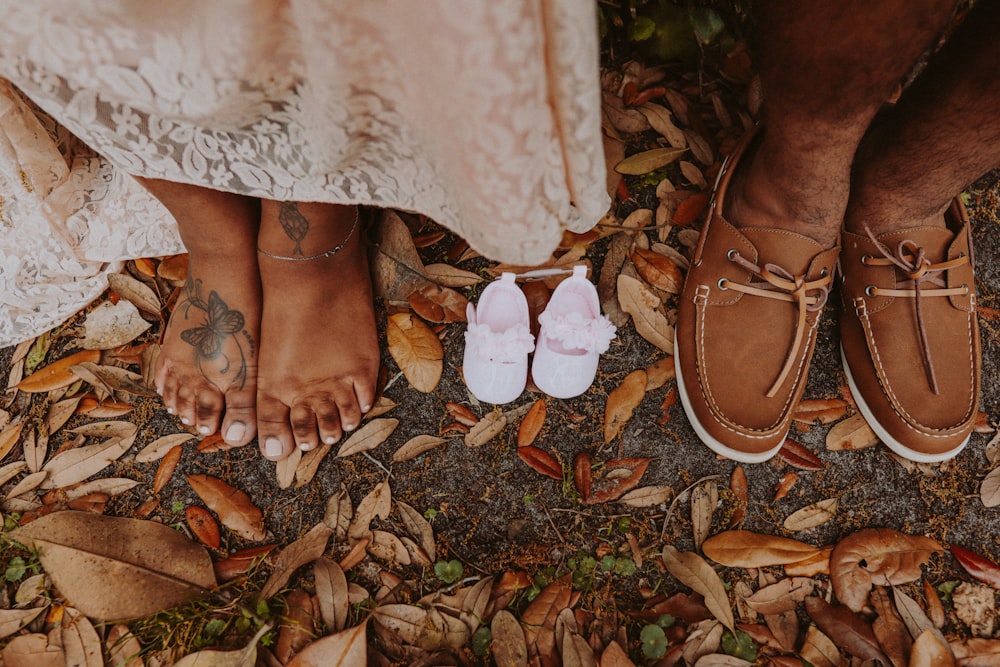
332, 251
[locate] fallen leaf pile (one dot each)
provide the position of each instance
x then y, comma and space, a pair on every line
671, 578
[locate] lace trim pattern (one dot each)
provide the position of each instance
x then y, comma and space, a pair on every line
507, 346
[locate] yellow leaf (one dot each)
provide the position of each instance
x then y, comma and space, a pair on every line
417, 351
743, 548
647, 161
622, 402
57, 374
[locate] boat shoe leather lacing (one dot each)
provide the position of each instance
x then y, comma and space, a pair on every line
910, 259
777, 283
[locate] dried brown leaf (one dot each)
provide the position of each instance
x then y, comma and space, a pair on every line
819, 410
416, 446
57, 374
935, 610
388, 548
450, 276
799, 456
846, 629
35, 448
166, 468
76, 465
428, 629
539, 618
135, 291
876, 556
508, 646
618, 477
658, 270
368, 437
660, 119
647, 161
782, 595
644, 306
812, 515
80, 642
743, 548
540, 461
819, 649
647, 496
111, 325
622, 402
913, 616
12, 620
989, 490
33, 650
285, 469
245, 657
889, 629
818, 563
704, 499
416, 349
203, 526
347, 648
438, 304
309, 464
691, 570
339, 513
153, 566
331, 593
378, 502
487, 428
297, 626
741, 491
851, 434
930, 651
233, 507
419, 528
532, 423
302, 551
159, 447
58, 414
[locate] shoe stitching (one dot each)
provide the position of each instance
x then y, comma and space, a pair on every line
716, 411
894, 402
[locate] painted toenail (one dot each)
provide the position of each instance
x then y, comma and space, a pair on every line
350, 427
170, 411
235, 432
272, 446
366, 408
204, 430
330, 440
185, 421
305, 446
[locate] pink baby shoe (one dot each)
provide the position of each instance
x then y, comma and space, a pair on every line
572, 337
497, 343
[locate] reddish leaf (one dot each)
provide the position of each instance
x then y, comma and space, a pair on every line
618, 477
166, 468
57, 374
622, 402
95, 409
532, 423
658, 270
785, 485
582, 471
540, 461
846, 629
799, 456
669, 399
438, 304
935, 610
240, 562
233, 507
213, 443
690, 210
203, 525
461, 414
822, 410
741, 489
980, 568
428, 239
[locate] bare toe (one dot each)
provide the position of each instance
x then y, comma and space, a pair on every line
239, 426
273, 428
328, 420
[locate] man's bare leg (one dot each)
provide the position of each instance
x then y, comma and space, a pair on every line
825, 68
207, 369
319, 354
943, 134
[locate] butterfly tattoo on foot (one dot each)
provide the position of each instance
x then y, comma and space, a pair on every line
220, 325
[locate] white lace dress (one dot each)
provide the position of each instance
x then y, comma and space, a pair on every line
482, 114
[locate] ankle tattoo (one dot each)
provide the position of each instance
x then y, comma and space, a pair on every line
295, 224
296, 228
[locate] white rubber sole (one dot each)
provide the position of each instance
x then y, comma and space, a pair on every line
703, 435
883, 435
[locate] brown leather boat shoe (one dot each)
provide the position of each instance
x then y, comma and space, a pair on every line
909, 335
746, 329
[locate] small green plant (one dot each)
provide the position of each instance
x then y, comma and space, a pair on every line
449, 571
481, 641
654, 641
177, 507
740, 645
430, 513
16, 569
528, 498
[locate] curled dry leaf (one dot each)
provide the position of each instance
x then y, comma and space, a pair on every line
622, 402
508, 646
644, 306
428, 629
989, 490
419, 528
438, 304
889, 629
930, 651
486, 429
799, 456
851, 434
659, 373
876, 556
12, 620
416, 446
819, 410
935, 610
461, 414
539, 618
647, 496
785, 485
308, 464
704, 500
244, 657
980, 568
618, 477
743, 548
819, 649
377, 503
153, 566
846, 629
583, 474
658, 270
532, 423
233, 507
297, 626
240, 562
388, 548
338, 513
781, 596
540, 461
818, 563
304, 550
166, 468
691, 570
660, 119
347, 648
417, 351
285, 469
57, 374
203, 526
813, 515
741, 491
9, 438
647, 161
80, 642
136, 292
369, 436
112, 325
174, 268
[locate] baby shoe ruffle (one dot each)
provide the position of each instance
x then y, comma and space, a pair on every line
506, 347
577, 332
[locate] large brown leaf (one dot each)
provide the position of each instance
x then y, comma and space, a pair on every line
12, 620
153, 567
347, 648
742, 548
417, 351
428, 629
658, 270
622, 402
304, 550
876, 556
845, 628
889, 629
691, 570
647, 315
930, 651
397, 270
76, 465
244, 657
234, 508
508, 646
438, 304
33, 651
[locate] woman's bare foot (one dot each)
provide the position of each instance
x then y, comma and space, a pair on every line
319, 354
207, 369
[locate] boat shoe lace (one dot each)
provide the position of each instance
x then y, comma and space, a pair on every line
925, 279
775, 282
